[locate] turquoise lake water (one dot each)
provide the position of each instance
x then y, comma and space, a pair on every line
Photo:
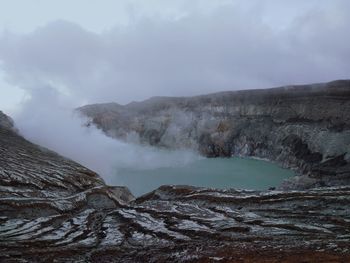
214, 172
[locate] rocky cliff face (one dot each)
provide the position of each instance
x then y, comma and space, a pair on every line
306, 128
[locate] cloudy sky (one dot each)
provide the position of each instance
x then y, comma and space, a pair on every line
88, 51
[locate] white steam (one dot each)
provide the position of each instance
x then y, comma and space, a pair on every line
48, 120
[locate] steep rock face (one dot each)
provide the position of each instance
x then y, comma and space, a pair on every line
302, 127
55, 210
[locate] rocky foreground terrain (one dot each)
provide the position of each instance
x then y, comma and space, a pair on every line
306, 128
55, 210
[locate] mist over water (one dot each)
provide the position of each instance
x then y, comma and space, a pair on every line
48, 119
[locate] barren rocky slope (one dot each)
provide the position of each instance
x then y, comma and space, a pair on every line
306, 127
184, 224
55, 210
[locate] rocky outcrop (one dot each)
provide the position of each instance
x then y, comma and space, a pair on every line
5, 121
306, 128
35, 181
55, 210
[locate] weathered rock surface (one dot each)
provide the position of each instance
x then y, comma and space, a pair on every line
40, 190
185, 224
34, 176
306, 127
5, 121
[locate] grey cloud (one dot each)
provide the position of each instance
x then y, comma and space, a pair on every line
226, 49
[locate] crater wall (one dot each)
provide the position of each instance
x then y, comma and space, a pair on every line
306, 127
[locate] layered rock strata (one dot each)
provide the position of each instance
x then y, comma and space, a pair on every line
185, 224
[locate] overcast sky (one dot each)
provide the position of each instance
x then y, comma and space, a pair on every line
91, 51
